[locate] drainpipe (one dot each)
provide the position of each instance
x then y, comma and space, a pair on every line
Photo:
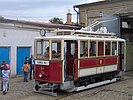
77, 14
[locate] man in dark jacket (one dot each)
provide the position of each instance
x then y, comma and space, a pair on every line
32, 63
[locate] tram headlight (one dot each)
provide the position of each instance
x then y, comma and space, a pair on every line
40, 75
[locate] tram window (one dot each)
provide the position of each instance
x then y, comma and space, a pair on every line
63, 33
84, 48
114, 48
46, 50
67, 33
121, 49
41, 48
56, 49
60, 33
38, 49
107, 48
72, 49
92, 48
100, 48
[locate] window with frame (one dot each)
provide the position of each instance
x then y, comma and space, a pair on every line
100, 48
121, 49
114, 48
56, 50
92, 48
107, 47
42, 49
39, 51
46, 50
83, 48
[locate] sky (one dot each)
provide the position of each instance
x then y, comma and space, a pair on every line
39, 10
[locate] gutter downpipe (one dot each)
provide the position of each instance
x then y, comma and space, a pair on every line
77, 14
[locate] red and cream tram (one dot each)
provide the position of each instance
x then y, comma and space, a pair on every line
73, 60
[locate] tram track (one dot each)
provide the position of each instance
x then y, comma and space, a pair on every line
94, 91
65, 96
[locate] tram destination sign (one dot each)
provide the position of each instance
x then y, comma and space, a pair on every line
40, 62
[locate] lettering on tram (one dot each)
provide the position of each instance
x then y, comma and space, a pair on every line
74, 60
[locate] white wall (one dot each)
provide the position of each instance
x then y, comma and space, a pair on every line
13, 38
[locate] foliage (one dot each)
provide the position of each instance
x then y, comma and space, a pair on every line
56, 20
1, 17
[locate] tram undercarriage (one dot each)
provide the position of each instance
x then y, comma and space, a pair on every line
82, 83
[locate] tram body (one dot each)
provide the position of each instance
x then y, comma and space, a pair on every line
74, 60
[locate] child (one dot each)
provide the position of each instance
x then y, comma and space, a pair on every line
26, 69
5, 79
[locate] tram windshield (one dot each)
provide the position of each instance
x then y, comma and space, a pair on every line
44, 51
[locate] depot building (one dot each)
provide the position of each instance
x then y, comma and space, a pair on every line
17, 40
117, 17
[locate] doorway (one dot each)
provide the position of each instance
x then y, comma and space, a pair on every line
22, 52
71, 53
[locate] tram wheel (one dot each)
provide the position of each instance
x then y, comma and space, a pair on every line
37, 87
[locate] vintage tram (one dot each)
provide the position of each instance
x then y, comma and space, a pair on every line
73, 60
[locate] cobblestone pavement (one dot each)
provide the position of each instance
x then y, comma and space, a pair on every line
121, 90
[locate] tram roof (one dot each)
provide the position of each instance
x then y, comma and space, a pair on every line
82, 35
83, 32
73, 37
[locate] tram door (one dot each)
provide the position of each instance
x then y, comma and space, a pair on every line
71, 56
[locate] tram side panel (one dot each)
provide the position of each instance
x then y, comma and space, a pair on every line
51, 73
94, 66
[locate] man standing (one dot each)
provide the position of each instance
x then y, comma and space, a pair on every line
31, 62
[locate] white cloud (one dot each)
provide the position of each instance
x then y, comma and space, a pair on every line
38, 9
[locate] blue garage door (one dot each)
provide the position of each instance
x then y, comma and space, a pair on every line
4, 54
22, 52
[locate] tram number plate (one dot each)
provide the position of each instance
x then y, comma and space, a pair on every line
40, 62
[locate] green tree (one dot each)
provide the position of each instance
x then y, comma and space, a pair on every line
56, 20
1, 17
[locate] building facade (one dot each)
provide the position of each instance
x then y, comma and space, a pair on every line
17, 40
91, 12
